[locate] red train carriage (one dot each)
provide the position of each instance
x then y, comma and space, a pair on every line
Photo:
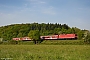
16, 39
23, 39
49, 37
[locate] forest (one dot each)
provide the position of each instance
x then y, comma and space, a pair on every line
22, 30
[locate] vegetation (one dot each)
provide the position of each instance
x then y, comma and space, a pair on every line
87, 37
63, 42
34, 35
46, 42
22, 30
45, 52
35, 30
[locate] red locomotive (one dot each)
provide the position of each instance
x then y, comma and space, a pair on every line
61, 36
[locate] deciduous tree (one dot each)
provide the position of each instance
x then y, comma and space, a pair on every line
34, 35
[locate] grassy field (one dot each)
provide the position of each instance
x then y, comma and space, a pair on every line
45, 52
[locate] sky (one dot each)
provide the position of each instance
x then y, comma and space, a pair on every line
74, 13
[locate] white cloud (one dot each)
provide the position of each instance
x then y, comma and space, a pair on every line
33, 0
49, 11
42, 2
1, 13
25, 5
80, 8
79, 23
36, 1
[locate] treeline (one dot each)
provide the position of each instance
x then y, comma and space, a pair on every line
21, 30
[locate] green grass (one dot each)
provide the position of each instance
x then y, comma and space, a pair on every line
45, 52
63, 42
47, 42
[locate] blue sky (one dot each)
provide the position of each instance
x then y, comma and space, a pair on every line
75, 13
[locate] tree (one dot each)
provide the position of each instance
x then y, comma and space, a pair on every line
80, 34
87, 37
34, 35
20, 35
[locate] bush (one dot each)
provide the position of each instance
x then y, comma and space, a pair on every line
13, 42
1, 42
87, 37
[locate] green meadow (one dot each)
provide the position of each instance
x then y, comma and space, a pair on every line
44, 52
